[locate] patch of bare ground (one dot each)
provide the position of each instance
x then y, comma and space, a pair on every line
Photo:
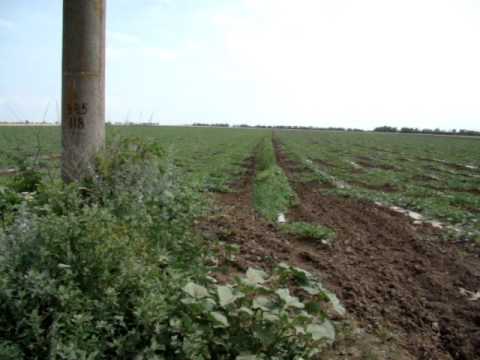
440, 171
392, 275
8, 172
380, 149
373, 164
387, 187
324, 163
472, 191
425, 178
365, 162
426, 181
466, 171
234, 221
261, 245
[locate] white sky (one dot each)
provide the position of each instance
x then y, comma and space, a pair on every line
351, 63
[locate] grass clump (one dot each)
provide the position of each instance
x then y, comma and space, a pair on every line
272, 192
309, 231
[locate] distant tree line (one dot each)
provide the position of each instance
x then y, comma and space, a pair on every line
212, 125
290, 127
27, 122
437, 131
286, 127
386, 129
129, 123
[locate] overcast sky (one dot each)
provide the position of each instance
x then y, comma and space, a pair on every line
350, 63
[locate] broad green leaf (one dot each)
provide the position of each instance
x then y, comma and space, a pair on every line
304, 315
301, 275
337, 306
246, 310
246, 357
303, 271
270, 317
311, 290
313, 307
220, 318
255, 277
209, 304
261, 302
225, 295
196, 291
324, 330
289, 300
175, 323
299, 330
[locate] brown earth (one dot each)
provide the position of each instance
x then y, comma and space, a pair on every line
388, 271
453, 166
424, 178
324, 163
401, 284
8, 172
386, 187
372, 164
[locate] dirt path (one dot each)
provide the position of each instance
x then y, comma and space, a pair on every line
400, 286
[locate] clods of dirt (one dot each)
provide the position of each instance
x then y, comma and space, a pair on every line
390, 273
400, 283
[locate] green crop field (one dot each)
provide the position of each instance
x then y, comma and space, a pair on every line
213, 157
221, 243
434, 175
437, 176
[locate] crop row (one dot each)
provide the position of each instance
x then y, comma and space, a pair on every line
436, 176
213, 158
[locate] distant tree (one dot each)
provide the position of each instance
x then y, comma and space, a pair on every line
385, 129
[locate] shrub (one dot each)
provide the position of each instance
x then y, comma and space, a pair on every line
87, 270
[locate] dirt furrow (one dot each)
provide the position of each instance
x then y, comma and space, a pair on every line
262, 245
394, 275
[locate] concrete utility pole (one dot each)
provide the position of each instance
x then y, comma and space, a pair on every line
83, 86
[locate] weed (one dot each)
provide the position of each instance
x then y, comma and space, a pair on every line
309, 231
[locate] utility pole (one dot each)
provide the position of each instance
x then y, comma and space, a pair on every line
83, 86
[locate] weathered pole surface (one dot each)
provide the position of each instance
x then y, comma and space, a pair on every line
83, 86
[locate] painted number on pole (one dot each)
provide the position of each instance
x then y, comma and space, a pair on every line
76, 111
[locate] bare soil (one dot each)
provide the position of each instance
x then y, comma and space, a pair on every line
324, 163
387, 187
388, 271
8, 172
401, 284
372, 164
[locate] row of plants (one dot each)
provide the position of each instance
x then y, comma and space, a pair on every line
396, 171
272, 192
273, 197
212, 157
110, 268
